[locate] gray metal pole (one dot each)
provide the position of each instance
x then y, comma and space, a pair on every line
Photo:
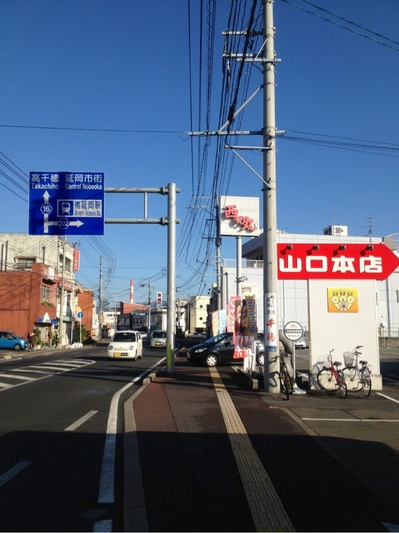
171, 281
62, 298
238, 265
218, 265
271, 382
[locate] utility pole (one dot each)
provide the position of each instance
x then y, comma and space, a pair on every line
270, 278
171, 283
61, 326
100, 301
218, 266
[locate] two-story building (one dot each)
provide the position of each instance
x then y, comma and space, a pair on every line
37, 286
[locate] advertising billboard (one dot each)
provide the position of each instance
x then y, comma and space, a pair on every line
239, 216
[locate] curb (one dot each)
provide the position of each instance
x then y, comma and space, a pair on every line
250, 380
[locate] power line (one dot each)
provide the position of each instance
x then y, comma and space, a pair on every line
387, 45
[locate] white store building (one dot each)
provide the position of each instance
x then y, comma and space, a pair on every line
376, 318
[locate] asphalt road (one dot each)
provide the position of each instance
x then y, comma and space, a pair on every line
61, 430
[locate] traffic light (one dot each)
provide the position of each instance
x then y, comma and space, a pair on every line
159, 298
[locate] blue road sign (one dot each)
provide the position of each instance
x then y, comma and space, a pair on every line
66, 203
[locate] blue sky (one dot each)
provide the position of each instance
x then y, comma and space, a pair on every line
114, 86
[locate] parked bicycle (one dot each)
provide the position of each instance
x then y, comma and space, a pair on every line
357, 373
331, 378
286, 384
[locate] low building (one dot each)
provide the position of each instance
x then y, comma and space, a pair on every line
293, 294
38, 279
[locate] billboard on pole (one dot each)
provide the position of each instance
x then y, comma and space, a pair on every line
239, 216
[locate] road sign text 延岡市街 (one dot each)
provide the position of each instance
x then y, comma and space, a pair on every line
335, 261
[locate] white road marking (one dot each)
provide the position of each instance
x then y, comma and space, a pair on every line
107, 478
81, 421
45, 369
11, 376
348, 420
387, 397
103, 525
4, 478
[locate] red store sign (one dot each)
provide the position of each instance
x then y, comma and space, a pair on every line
335, 261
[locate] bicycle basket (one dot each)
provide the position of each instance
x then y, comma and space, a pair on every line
349, 358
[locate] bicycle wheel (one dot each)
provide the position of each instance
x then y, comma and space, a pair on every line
365, 379
343, 389
288, 383
326, 380
352, 378
284, 383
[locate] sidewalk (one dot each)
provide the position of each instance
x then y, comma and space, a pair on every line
203, 452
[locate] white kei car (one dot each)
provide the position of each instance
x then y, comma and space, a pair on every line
126, 344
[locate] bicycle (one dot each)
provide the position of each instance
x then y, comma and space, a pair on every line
357, 377
331, 379
286, 384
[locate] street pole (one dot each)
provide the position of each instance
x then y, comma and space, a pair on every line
270, 281
171, 281
218, 265
100, 301
61, 325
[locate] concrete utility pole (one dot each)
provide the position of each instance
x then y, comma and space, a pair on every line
270, 281
171, 284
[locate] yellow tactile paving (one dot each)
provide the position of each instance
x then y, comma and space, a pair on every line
267, 510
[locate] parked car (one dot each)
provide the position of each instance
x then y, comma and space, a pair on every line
303, 342
143, 332
196, 335
126, 344
11, 341
158, 339
214, 351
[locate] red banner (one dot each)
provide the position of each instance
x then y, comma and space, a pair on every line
335, 261
76, 259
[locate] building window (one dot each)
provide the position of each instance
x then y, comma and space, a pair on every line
25, 263
68, 263
45, 293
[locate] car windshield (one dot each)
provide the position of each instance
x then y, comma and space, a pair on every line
159, 334
124, 336
218, 338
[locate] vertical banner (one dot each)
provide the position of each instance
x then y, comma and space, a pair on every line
271, 322
233, 316
253, 324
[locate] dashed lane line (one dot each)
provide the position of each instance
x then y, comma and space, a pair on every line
12, 472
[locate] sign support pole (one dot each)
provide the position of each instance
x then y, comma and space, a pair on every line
171, 281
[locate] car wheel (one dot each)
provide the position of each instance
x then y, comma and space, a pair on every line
211, 360
261, 358
17, 347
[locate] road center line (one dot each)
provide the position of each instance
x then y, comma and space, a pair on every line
81, 421
15, 470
